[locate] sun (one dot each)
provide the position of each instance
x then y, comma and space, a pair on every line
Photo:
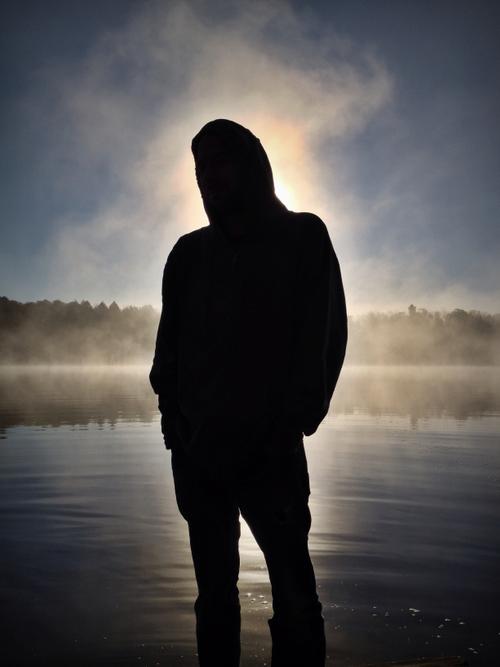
285, 193
286, 146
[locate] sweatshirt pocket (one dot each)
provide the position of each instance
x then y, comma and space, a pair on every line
224, 447
286, 437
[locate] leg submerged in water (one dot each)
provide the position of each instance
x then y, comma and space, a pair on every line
277, 512
217, 607
214, 532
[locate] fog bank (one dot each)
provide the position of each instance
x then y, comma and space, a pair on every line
54, 332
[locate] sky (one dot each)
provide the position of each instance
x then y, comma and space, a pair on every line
382, 117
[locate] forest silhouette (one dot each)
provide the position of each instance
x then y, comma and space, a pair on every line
55, 332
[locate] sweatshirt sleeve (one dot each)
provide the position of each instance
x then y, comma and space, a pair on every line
163, 374
321, 333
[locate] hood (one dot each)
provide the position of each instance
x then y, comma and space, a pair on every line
262, 205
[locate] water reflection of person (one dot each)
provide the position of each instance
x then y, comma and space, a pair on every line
250, 345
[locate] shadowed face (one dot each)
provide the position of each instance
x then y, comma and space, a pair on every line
219, 173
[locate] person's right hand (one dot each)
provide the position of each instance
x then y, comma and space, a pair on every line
169, 429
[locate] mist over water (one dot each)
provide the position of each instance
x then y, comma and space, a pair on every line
52, 396
405, 494
54, 332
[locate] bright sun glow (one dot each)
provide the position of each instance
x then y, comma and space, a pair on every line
284, 193
286, 146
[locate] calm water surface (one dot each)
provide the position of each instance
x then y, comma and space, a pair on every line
405, 500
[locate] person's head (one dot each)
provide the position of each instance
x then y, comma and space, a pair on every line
221, 172
232, 170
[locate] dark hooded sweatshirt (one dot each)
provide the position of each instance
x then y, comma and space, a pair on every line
253, 331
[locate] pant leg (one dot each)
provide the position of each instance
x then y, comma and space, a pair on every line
274, 503
214, 530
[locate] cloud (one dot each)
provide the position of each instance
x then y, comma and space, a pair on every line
129, 110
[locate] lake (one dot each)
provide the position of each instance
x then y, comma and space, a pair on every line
405, 538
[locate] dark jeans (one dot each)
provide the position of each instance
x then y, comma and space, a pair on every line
273, 500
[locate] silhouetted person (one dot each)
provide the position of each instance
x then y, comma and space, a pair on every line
250, 344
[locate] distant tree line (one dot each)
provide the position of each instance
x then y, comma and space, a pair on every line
419, 336
75, 333
78, 333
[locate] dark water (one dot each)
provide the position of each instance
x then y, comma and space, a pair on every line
95, 562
